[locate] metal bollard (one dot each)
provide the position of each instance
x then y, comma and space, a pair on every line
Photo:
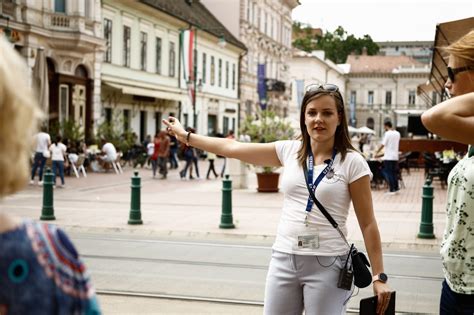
47, 212
426, 226
226, 216
135, 214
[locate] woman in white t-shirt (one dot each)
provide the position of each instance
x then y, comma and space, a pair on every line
58, 152
308, 253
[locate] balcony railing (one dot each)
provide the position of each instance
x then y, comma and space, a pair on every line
274, 85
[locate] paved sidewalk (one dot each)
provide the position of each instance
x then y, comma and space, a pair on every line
192, 208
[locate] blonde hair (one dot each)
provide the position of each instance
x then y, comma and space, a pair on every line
19, 118
463, 48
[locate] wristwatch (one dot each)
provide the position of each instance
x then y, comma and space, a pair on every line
382, 277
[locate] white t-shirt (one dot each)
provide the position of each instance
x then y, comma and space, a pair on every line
150, 148
110, 151
42, 142
391, 141
332, 193
57, 151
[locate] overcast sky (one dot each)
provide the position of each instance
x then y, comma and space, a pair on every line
383, 20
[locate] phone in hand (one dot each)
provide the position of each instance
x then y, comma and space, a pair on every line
368, 306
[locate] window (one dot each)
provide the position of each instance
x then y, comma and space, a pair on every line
213, 71
108, 115
108, 39
60, 6
158, 117
219, 75
63, 102
265, 23
254, 13
233, 76
87, 9
195, 64
158, 55
370, 98
186, 120
248, 11
411, 97
126, 46
388, 98
204, 57
226, 74
353, 97
143, 46
143, 125
126, 119
172, 65
226, 125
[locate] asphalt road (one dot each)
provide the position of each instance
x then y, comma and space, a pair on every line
138, 275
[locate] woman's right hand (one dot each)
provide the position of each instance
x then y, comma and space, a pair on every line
174, 128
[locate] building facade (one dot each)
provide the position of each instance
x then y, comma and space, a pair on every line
421, 51
143, 74
311, 68
265, 28
61, 41
385, 87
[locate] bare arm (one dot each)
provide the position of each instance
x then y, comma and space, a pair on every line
362, 201
452, 119
254, 153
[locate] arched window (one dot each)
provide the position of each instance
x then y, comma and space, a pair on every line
60, 6
81, 72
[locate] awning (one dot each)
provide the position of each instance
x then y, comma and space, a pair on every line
135, 90
446, 34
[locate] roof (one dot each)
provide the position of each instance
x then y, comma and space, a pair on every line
380, 64
196, 14
416, 43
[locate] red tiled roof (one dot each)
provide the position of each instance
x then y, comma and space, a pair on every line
379, 64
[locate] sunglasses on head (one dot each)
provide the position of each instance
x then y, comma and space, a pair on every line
321, 87
452, 72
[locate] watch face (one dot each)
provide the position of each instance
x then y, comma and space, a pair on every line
383, 277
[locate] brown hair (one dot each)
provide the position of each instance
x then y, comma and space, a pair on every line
342, 142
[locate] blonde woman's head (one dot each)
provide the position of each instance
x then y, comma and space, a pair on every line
19, 118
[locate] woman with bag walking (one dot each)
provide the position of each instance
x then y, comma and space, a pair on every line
457, 247
309, 254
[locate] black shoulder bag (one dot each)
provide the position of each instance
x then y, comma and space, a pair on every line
360, 264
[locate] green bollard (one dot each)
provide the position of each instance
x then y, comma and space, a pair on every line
426, 226
135, 214
226, 216
47, 212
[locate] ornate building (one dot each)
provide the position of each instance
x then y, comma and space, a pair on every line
265, 28
61, 41
385, 87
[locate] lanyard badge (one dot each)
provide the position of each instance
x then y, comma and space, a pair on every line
328, 171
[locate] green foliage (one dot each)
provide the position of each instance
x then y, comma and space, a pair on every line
68, 129
337, 45
266, 127
122, 141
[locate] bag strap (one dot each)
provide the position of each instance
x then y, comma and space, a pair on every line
321, 207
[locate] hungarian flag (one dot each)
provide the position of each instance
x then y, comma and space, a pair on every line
187, 39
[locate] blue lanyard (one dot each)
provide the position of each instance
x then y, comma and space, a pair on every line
314, 185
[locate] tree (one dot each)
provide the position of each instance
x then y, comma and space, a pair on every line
337, 45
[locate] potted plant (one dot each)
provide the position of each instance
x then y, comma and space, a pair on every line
265, 127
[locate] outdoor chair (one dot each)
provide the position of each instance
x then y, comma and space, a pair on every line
433, 169
78, 166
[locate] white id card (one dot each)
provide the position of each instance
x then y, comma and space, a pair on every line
308, 241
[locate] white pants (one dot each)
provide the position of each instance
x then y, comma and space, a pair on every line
297, 282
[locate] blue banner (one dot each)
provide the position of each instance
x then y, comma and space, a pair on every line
261, 86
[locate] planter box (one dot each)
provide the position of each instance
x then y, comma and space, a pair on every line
267, 182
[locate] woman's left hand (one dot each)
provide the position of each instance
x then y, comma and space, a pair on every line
382, 291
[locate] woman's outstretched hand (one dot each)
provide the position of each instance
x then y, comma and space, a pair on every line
174, 128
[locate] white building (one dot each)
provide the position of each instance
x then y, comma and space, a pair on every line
142, 75
265, 28
63, 38
421, 51
385, 87
311, 68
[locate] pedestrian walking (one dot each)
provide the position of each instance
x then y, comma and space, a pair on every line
174, 145
163, 153
453, 119
231, 136
156, 152
41, 270
211, 157
58, 154
189, 155
43, 141
308, 253
390, 144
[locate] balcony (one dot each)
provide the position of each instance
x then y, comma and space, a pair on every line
275, 86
